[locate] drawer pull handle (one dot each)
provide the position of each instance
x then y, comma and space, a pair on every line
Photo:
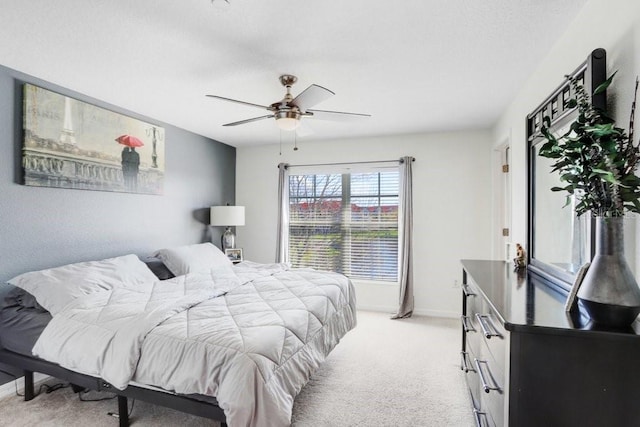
467, 292
481, 418
466, 324
485, 384
487, 326
464, 362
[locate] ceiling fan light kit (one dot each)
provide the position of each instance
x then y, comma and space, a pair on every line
288, 120
289, 111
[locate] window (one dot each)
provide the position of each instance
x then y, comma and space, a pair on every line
347, 223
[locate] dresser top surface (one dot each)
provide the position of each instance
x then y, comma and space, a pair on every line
524, 300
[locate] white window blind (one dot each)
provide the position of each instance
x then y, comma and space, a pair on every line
345, 222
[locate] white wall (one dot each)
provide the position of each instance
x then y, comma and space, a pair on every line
452, 206
453, 194
610, 24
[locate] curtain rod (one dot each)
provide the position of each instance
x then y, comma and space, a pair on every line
413, 159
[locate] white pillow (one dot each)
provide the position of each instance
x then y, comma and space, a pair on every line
193, 258
54, 288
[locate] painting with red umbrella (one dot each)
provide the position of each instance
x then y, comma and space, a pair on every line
69, 143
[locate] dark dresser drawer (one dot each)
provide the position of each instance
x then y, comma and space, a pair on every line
484, 357
486, 344
474, 305
494, 339
472, 378
472, 336
494, 401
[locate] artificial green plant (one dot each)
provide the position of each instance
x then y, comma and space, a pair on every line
595, 159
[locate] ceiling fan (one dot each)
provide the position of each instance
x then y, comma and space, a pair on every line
290, 110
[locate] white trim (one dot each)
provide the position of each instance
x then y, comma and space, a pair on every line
437, 313
9, 389
378, 308
374, 282
419, 312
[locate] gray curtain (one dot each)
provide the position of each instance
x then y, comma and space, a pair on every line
405, 239
282, 244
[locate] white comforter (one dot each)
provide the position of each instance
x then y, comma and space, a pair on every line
250, 336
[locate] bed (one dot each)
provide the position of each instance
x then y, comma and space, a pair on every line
231, 343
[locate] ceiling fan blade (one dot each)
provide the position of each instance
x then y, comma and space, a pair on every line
239, 102
336, 115
304, 129
255, 119
311, 96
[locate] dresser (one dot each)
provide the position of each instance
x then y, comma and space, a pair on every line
528, 363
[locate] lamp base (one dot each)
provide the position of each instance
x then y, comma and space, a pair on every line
228, 239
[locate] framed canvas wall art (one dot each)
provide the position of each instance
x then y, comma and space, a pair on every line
73, 144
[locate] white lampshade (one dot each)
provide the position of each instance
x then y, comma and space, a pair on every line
287, 123
227, 216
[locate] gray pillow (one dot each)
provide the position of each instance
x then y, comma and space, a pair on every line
16, 297
158, 268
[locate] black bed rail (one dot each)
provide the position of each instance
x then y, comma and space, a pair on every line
201, 406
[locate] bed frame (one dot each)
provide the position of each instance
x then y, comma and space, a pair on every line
184, 403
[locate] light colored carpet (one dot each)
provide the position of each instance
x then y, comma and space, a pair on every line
383, 373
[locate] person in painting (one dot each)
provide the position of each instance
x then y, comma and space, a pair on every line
130, 167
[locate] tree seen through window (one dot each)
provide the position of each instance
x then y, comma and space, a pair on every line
346, 223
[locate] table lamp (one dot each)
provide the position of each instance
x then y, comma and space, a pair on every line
227, 216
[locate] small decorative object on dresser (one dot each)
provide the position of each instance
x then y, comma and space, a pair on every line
520, 260
572, 303
235, 255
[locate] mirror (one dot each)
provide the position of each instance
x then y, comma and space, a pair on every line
559, 241
561, 238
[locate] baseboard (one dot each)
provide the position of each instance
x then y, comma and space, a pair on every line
378, 308
9, 389
418, 312
437, 313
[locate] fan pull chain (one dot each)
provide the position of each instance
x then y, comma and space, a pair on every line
295, 141
281, 142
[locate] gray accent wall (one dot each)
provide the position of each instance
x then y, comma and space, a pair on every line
44, 227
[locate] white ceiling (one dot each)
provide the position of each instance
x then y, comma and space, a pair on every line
415, 65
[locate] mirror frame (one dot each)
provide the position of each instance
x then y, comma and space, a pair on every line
592, 72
